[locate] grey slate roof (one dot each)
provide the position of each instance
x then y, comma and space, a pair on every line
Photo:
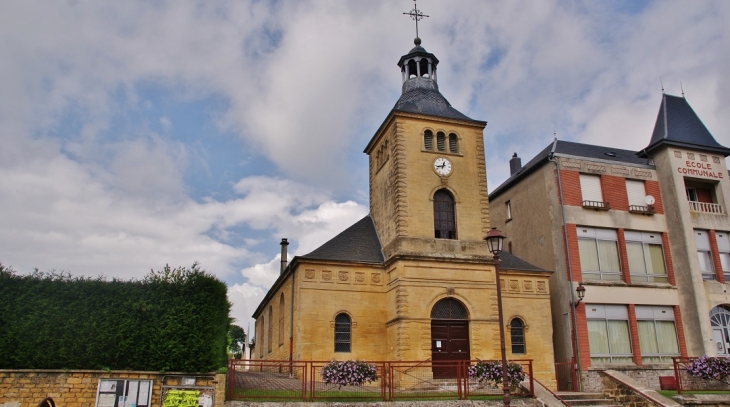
677, 124
421, 95
572, 149
358, 243
511, 262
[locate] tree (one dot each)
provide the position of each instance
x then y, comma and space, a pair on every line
237, 339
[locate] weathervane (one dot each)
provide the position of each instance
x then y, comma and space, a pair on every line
416, 14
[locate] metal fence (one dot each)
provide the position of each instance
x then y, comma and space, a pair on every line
686, 382
279, 380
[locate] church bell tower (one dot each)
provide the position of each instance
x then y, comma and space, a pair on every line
428, 187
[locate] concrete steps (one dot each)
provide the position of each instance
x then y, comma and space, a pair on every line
574, 399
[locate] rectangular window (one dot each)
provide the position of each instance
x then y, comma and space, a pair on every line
590, 187
508, 207
702, 241
598, 250
646, 257
636, 193
723, 247
608, 333
657, 333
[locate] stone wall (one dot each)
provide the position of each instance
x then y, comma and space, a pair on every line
622, 394
646, 375
78, 388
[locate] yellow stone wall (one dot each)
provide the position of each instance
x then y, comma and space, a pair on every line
77, 388
403, 180
390, 310
390, 306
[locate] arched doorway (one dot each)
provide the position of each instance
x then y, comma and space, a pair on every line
449, 335
720, 322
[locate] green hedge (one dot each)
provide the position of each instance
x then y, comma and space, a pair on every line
172, 320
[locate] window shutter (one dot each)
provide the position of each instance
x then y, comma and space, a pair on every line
590, 186
636, 193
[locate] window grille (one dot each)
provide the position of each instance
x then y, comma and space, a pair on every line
449, 308
517, 336
343, 333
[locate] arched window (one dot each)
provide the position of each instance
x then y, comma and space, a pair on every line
428, 140
449, 308
517, 336
270, 329
281, 319
343, 333
443, 215
453, 143
720, 322
441, 141
259, 335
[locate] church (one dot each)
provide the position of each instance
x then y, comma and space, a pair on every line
414, 280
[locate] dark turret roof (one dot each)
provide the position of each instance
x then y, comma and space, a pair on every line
358, 243
678, 125
422, 96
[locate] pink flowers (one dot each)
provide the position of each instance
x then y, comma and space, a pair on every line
707, 367
352, 372
491, 371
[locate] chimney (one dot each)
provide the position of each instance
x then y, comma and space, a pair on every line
284, 244
514, 164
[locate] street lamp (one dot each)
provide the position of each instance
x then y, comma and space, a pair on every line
581, 292
494, 239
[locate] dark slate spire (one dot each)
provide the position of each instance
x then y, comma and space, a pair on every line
678, 125
420, 89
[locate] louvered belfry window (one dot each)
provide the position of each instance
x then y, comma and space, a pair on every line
443, 215
428, 140
441, 141
453, 143
343, 333
449, 308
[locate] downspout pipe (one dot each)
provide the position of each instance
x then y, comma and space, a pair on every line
576, 345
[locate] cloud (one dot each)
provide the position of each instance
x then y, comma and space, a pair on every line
104, 171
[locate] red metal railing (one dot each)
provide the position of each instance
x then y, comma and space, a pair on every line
687, 382
302, 380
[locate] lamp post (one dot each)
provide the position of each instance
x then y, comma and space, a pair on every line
494, 239
575, 368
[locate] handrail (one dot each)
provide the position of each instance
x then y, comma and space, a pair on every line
641, 394
560, 399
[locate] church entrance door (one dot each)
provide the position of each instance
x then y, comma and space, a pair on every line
449, 336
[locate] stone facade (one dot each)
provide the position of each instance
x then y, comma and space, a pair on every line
78, 388
388, 296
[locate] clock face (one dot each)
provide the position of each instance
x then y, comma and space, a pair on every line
442, 166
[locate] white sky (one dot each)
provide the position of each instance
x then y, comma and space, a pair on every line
135, 134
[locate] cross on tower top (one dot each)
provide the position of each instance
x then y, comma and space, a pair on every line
416, 14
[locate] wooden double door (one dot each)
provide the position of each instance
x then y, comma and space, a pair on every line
449, 342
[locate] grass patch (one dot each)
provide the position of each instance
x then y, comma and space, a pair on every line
670, 393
